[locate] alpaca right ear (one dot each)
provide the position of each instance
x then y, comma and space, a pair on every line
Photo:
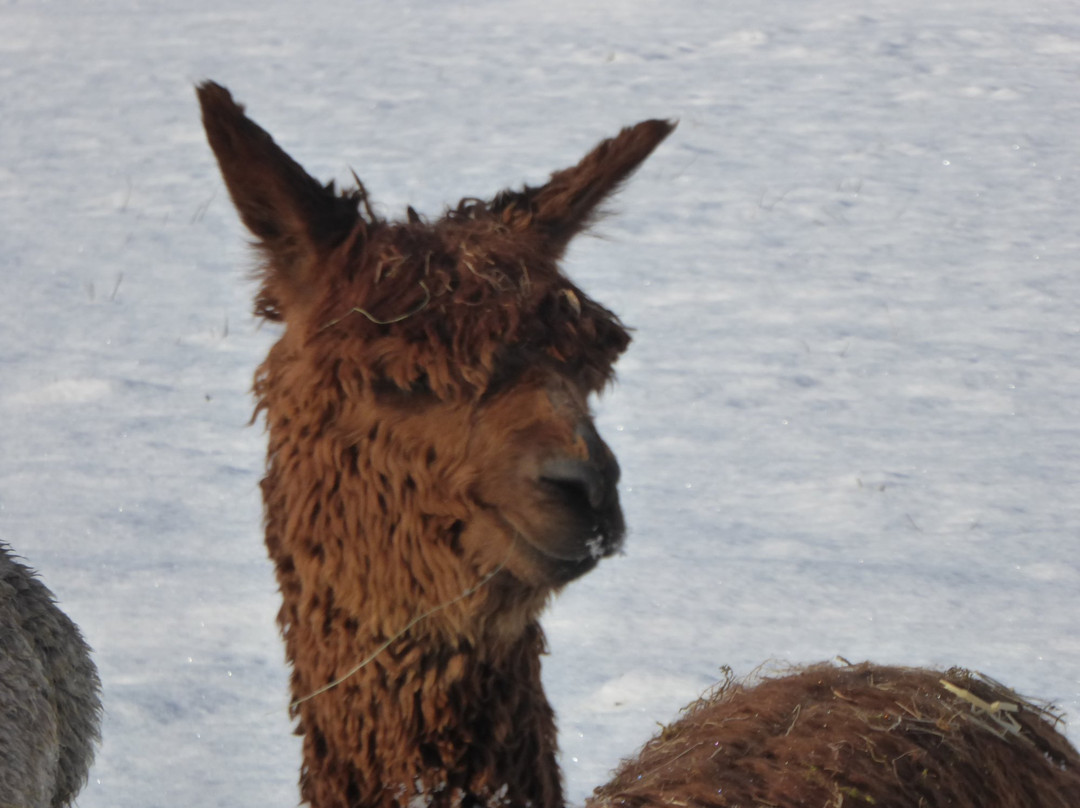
569, 202
292, 215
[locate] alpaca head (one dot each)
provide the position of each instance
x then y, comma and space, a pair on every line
428, 398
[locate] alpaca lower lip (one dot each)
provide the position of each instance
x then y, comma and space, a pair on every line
565, 570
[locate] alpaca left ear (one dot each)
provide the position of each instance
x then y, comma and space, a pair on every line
569, 202
293, 216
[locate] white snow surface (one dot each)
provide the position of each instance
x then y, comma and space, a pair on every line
848, 424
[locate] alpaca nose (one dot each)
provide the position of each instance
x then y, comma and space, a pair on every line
592, 479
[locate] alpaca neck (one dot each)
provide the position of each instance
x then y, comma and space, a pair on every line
427, 724
451, 711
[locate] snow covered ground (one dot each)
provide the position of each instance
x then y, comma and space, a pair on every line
848, 424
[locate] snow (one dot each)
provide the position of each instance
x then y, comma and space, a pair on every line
848, 423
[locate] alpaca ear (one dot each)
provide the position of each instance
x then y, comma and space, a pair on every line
570, 201
291, 214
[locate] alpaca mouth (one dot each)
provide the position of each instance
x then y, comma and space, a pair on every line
603, 537
579, 539
559, 570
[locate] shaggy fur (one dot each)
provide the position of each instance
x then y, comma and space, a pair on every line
433, 475
855, 735
50, 707
429, 436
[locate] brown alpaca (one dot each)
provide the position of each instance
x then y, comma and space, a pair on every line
433, 476
855, 735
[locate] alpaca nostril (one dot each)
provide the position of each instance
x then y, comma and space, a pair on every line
579, 481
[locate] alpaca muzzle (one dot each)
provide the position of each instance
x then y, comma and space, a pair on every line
587, 487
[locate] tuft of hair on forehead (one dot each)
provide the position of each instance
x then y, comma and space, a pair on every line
458, 304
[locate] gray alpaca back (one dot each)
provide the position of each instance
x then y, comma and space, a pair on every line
50, 705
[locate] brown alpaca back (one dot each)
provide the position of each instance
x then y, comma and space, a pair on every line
868, 735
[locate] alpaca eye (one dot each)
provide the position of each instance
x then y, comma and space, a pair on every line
420, 387
507, 373
388, 391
